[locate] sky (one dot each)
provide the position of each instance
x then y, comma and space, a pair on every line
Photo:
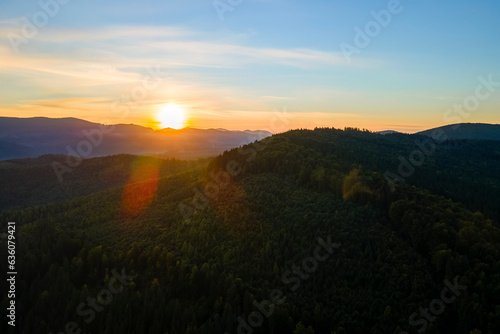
239, 64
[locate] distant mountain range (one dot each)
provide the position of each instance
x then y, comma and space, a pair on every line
32, 137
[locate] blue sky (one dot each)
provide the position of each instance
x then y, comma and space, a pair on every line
264, 57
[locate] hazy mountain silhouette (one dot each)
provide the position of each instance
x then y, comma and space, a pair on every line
32, 137
387, 132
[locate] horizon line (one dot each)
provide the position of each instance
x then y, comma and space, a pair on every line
245, 130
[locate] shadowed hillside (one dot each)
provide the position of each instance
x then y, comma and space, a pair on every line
297, 233
468, 131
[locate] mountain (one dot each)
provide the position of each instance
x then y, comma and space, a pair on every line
306, 231
32, 137
387, 132
467, 131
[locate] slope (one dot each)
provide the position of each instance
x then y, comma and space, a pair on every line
35, 181
478, 131
250, 236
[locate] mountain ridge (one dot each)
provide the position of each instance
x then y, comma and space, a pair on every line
483, 131
36, 136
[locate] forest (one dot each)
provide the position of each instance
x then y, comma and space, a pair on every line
308, 231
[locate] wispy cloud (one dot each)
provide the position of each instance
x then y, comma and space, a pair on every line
174, 44
96, 66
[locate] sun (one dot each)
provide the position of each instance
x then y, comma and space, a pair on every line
171, 116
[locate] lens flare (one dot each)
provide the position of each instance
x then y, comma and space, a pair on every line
141, 187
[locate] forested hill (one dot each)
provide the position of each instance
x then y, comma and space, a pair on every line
56, 178
478, 131
464, 170
310, 231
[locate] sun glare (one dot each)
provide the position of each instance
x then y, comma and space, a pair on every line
172, 116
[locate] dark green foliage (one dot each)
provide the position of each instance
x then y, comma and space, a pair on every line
28, 182
468, 131
198, 275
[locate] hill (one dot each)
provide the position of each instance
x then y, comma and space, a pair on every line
468, 131
35, 181
32, 137
300, 232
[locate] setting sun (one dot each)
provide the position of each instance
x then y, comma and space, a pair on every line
172, 116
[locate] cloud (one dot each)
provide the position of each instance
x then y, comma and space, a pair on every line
108, 33
174, 44
65, 72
